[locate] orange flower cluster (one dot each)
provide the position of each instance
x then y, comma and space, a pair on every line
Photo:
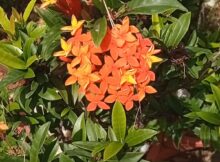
118, 70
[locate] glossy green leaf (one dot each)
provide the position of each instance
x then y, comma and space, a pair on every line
138, 136
10, 60
216, 94
177, 30
65, 158
28, 9
210, 117
38, 142
152, 6
132, 157
99, 31
50, 94
119, 121
112, 149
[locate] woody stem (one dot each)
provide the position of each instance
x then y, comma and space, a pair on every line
109, 15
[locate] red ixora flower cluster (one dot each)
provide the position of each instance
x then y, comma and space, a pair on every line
117, 70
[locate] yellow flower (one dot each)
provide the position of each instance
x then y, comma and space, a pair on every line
128, 77
150, 58
75, 25
66, 49
47, 3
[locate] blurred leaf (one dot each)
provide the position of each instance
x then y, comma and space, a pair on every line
99, 148
88, 145
51, 17
29, 74
112, 149
38, 142
90, 130
151, 6
111, 134
4, 21
50, 94
10, 60
212, 118
99, 31
28, 48
216, 93
11, 49
12, 77
80, 125
65, 158
119, 121
28, 9
132, 157
138, 136
31, 60
53, 153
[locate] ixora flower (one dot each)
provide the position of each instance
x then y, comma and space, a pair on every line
118, 70
68, 7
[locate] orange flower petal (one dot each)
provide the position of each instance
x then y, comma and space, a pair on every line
71, 80
92, 106
110, 99
103, 105
150, 90
95, 60
129, 105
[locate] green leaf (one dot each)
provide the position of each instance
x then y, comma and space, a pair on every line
11, 49
88, 145
99, 4
11, 77
51, 17
210, 117
28, 9
4, 21
111, 134
28, 48
53, 154
10, 60
177, 30
152, 6
38, 142
138, 136
112, 149
65, 158
99, 148
90, 130
31, 60
50, 94
80, 125
29, 74
119, 121
131, 156
216, 93
99, 31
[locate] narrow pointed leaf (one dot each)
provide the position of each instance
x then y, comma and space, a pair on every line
112, 149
